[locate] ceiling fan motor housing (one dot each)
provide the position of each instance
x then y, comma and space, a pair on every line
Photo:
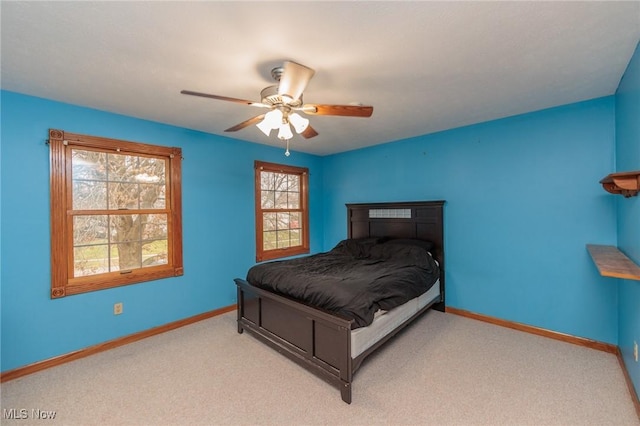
270, 96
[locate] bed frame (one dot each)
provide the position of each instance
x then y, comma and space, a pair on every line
320, 341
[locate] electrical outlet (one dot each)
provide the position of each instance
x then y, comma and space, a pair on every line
117, 308
635, 351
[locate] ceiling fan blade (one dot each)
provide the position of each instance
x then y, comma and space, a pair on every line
223, 98
249, 122
309, 133
294, 79
342, 110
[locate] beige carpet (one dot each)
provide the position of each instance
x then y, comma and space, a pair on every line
443, 370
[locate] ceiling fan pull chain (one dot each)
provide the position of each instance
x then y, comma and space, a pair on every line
287, 153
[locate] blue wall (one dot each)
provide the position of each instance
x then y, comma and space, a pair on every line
522, 195
218, 218
628, 159
523, 199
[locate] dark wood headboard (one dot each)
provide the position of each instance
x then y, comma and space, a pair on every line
422, 220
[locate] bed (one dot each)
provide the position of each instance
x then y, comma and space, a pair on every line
330, 345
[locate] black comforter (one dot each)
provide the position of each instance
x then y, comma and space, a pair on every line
354, 279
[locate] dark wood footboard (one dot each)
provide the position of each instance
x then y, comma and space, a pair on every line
316, 340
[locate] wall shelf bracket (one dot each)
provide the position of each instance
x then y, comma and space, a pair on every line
626, 184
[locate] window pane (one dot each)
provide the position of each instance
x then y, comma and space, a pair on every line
295, 221
154, 226
125, 227
294, 235
269, 240
268, 199
126, 256
282, 221
150, 170
280, 182
88, 165
283, 239
293, 201
269, 221
90, 260
267, 180
152, 196
281, 199
89, 195
123, 195
155, 253
294, 183
90, 230
126, 233
122, 168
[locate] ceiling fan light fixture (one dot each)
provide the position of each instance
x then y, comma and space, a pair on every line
272, 120
285, 132
264, 126
299, 123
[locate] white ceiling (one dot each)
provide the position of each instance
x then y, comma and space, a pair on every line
424, 66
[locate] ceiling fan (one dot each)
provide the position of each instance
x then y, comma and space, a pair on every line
284, 101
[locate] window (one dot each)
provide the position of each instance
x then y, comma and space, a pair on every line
115, 213
282, 215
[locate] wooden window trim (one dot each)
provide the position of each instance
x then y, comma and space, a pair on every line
303, 172
62, 282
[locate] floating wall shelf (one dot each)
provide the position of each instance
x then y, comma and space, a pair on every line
627, 183
611, 262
